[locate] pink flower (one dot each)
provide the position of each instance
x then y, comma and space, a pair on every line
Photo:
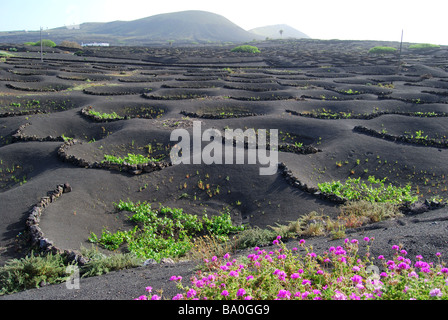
435, 293
395, 247
191, 293
305, 282
281, 274
295, 276
438, 254
241, 292
249, 277
226, 256
320, 272
353, 296
381, 257
403, 266
421, 264
199, 283
178, 296
225, 293
174, 278
413, 274
356, 279
148, 289
142, 298
285, 294
155, 297
302, 241
356, 268
339, 296
233, 274
366, 239
248, 298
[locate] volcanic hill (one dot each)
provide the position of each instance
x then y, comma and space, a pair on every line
181, 27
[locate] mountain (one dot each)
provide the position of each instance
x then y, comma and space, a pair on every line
273, 32
185, 26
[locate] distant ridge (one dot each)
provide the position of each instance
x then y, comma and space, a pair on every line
273, 32
185, 26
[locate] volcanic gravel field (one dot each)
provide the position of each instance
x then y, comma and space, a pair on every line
355, 113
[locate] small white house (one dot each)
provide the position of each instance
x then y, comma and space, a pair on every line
95, 44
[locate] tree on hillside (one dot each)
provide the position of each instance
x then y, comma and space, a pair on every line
281, 32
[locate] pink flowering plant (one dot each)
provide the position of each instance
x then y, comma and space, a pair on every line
340, 273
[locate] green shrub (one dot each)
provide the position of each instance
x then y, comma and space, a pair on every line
31, 271
100, 264
423, 46
131, 159
382, 50
46, 43
105, 116
254, 237
246, 48
166, 232
374, 191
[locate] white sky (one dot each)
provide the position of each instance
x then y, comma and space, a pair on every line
422, 21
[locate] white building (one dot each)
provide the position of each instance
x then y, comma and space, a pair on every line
95, 44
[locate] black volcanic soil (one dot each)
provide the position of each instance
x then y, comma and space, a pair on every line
319, 92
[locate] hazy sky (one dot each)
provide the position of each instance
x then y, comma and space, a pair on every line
422, 21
